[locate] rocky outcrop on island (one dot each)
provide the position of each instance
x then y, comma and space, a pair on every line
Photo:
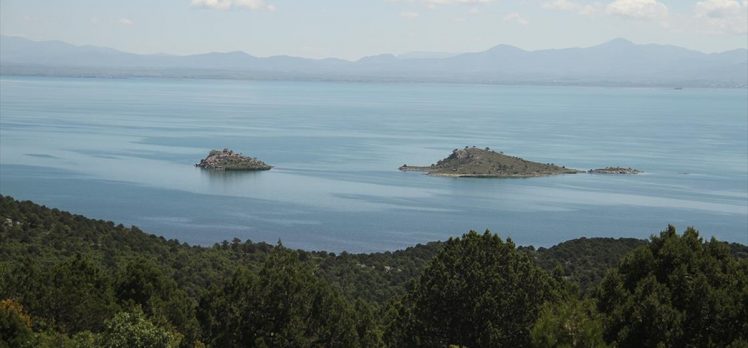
229, 160
614, 170
476, 162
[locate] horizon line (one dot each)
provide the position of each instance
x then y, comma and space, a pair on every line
395, 55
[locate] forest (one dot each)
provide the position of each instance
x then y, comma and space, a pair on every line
70, 281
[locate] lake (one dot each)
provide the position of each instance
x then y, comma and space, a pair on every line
124, 150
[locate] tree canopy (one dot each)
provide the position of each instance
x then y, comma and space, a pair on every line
284, 305
479, 291
66, 280
678, 291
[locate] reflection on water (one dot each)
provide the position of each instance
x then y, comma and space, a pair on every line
125, 150
229, 180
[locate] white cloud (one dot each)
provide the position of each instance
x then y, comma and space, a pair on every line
452, 2
723, 16
252, 5
572, 6
125, 21
638, 9
435, 3
409, 15
516, 18
562, 5
711, 16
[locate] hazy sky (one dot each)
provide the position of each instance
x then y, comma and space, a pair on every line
351, 29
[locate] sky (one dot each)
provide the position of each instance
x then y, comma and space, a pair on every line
351, 29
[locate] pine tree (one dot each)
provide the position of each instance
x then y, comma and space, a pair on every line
479, 291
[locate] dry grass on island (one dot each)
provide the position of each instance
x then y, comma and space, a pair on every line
229, 160
476, 162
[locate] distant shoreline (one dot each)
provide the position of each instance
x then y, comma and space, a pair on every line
228, 75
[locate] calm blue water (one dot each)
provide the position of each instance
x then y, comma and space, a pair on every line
124, 150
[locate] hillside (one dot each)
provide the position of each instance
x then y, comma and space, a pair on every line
49, 259
50, 235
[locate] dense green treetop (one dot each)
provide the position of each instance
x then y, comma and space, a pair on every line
479, 291
678, 291
570, 323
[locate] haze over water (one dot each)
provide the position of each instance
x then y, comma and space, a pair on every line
124, 150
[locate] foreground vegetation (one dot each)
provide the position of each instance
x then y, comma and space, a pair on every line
69, 281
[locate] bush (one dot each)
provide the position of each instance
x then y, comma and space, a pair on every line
479, 291
132, 329
678, 291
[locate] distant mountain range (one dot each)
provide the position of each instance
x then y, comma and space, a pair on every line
618, 62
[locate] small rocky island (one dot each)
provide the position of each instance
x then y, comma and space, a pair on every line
476, 162
229, 160
614, 170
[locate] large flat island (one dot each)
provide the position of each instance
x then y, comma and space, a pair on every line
476, 162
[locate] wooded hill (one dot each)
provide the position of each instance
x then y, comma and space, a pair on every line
66, 280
